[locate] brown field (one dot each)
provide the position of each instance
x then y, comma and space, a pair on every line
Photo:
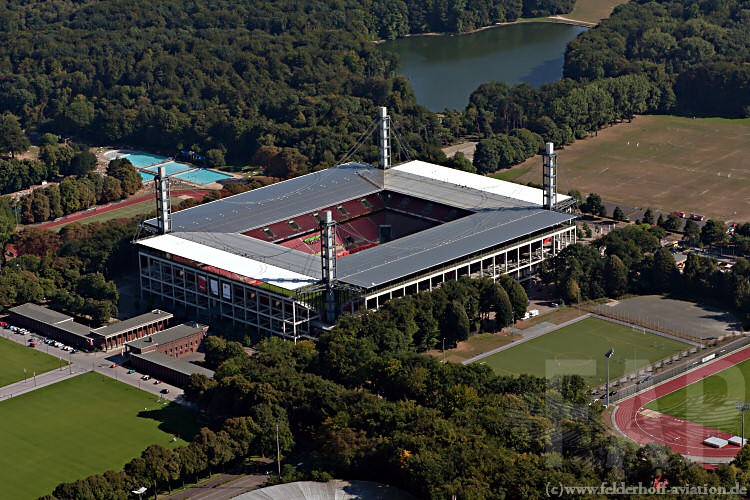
593, 11
664, 162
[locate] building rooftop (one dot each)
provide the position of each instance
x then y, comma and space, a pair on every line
40, 313
131, 323
175, 364
166, 336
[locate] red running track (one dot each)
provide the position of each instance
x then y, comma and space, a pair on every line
100, 209
680, 435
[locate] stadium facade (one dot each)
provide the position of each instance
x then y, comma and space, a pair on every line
289, 258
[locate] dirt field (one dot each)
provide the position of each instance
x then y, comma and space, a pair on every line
593, 11
666, 314
664, 162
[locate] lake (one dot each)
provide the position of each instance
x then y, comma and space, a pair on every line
444, 70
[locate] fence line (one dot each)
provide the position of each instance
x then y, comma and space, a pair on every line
716, 350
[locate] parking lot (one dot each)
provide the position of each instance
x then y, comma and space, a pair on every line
108, 364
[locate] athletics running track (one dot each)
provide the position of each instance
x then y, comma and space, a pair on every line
645, 426
100, 209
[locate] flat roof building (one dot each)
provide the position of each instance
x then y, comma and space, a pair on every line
176, 341
172, 370
65, 329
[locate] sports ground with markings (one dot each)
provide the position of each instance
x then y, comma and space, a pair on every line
698, 165
579, 349
81, 426
687, 409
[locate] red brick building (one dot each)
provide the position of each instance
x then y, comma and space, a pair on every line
176, 341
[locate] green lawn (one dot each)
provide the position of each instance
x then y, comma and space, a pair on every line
81, 426
15, 357
579, 349
711, 401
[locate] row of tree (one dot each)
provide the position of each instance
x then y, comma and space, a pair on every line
79, 193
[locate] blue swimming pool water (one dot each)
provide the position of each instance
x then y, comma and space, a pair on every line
140, 160
202, 176
145, 176
172, 167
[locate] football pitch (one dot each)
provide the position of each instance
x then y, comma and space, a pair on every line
14, 358
695, 165
81, 426
711, 401
579, 349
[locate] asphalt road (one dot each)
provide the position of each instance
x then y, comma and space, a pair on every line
222, 487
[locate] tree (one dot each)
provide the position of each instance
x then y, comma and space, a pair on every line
672, 223
111, 190
648, 216
691, 232
713, 232
571, 291
81, 164
615, 276
617, 214
215, 158
517, 295
12, 138
456, 325
594, 205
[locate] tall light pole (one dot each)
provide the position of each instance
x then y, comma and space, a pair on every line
743, 406
608, 355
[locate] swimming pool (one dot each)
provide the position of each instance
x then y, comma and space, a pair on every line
145, 176
139, 159
172, 167
203, 176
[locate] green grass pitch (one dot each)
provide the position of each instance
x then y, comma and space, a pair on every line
81, 426
711, 401
579, 349
15, 357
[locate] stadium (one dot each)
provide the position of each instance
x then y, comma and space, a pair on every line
289, 258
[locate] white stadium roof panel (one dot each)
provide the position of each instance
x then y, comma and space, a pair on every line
229, 262
473, 181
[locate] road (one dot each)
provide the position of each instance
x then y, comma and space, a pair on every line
223, 487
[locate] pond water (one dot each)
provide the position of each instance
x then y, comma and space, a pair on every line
444, 70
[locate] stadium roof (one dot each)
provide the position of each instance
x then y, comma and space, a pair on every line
210, 233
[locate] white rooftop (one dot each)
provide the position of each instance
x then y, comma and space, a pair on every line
229, 262
483, 183
715, 442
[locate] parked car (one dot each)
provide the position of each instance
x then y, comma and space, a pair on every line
114, 365
164, 391
612, 393
131, 371
32, 344
146, 377
157, 382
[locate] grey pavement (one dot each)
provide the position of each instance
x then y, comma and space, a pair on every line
223, 487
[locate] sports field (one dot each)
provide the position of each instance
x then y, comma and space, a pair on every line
695, 165
579, 349
15, 357
711, 401
81, 426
